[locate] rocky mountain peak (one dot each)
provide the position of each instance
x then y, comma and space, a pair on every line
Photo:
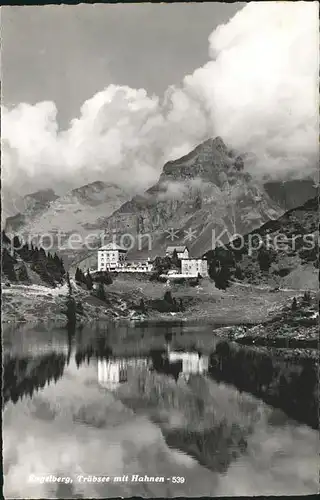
204, 190
39, 198
212, 161
96, 192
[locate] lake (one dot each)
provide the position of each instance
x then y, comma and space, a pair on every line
108, 411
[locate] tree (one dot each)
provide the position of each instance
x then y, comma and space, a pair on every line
220, 274
104, 277
101, 292
42, 265
77, 276
59, 263
294, 305
142, 306
168, 297
80, 277
69, 284
16, 243
89, 281
107, 278
265, 259
54, 268
5, 240
8, 265
174, 259
162, 264
26, 253
22, 273
80, 309
71, 312
306, 298
198, 202
238, 274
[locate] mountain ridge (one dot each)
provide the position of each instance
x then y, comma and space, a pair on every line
287, 253
206, 190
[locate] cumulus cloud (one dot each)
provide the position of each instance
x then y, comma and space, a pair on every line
262, 85
181, 190
259, 92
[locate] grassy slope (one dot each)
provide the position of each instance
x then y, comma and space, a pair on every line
294, 266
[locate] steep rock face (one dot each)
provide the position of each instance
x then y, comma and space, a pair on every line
77, 212
204, 191
32, 205
281, 252
291, 193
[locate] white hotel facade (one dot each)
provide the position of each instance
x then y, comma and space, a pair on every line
113, 257
110, 257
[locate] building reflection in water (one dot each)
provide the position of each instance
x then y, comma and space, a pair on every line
113, 372
192, 362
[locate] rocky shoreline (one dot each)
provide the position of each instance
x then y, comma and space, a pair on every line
290, 328
284, 328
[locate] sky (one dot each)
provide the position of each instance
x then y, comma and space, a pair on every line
112, 92
66, 54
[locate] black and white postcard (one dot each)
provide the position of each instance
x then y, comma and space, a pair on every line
160, 249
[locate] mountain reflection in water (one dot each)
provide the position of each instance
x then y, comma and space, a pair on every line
80, 404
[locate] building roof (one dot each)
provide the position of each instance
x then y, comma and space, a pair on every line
178, 248
195, 258
113, 246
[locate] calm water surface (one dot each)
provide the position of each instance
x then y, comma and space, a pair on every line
58, 419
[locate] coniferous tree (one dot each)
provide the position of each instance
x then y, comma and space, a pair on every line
77, 276
104, 277
80, 309
101, 292
22, 273
107, 278
162, 264
40, 264
63, 271
294, 305
8, 265
71, 306
5, 240
174, 259
198, 202
238, 274
89, 281
42, 254
71, 312
59, 263
168, 297
16, 243
26, 253
142, 306
69, 284
306, 298
265, 259
220, 274
54, 268
83, 278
